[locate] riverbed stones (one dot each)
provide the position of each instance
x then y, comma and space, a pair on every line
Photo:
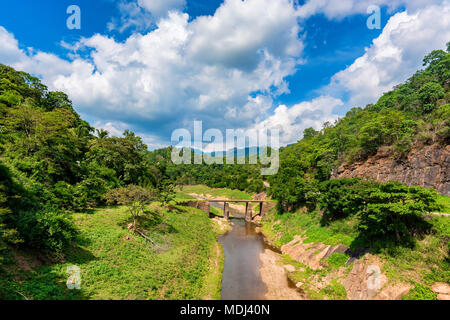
310, 254
275, 278
442, 289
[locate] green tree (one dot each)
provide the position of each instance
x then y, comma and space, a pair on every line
135, 198
429, 94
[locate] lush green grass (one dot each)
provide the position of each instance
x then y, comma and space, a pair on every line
115, 264
337, 260
334, 291
283, 227
424, 264
444, 201
420, 292
181, 196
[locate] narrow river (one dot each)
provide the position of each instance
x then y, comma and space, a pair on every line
245, 275
241, 277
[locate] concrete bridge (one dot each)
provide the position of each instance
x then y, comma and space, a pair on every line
248, 215
204, 204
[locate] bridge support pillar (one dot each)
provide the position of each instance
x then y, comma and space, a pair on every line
248, 215
261, 213
226, 211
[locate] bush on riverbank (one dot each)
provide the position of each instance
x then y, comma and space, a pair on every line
388, 211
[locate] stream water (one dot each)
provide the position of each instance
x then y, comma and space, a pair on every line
241, 278
242, 246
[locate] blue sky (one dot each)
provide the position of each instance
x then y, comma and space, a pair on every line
253, 64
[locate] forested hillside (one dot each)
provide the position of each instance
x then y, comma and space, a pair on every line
413, 114
244, 177
51, 162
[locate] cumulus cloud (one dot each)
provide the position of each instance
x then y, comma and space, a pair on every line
40, 63
160, 8
391, 59
294, 120
338, 9
117, 128
131, 16
142, 15
239, 32
395, 55
224, 69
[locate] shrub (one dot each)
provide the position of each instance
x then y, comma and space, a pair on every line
395, 210
337, 260
48, 229
134, 197
429, 94
341, 198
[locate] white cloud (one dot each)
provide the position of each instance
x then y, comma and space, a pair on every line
239, 32
117, 128
141, 15
294, 120
9, 50
392, 58
160, 8
342, 8
131, 16
224, 69
395, 55
44, 64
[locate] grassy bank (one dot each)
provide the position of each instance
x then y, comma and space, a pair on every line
422, 265
185, 262
444, 201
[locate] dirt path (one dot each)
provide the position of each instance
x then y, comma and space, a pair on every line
275, 278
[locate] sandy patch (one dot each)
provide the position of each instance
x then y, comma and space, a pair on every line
275, 278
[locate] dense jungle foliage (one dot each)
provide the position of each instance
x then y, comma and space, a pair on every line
51, 162
413, 114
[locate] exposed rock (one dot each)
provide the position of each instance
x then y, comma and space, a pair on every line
394, 292
311, 254
441, 287
442, 296
260, 196
274, 276
365, 280
427, 167
222, 223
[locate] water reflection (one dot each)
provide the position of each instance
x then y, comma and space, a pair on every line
241, 278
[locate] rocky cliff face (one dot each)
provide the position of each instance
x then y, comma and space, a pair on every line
427, 167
